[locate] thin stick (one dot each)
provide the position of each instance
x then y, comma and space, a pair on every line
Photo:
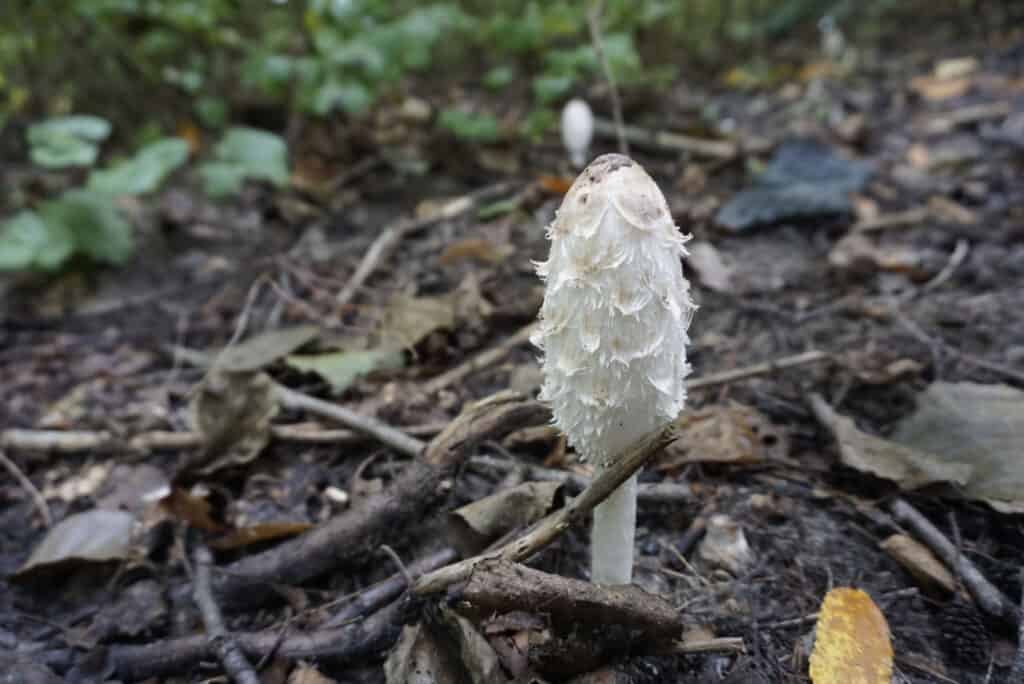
479, 361
392, 236
1017, 674
26, 484
757, 369
668, 141
378, 429
988, 597
228, 652
594, 22
549, 529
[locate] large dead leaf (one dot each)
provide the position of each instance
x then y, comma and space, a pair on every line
232, 411
851, 643
97, 535
407, 320
865, 452
474, 526
264, 349
975, 427
732, 433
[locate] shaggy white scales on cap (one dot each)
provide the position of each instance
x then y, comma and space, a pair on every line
613, 331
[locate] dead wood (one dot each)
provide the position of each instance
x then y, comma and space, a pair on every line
224, 645
500, 586
414, 495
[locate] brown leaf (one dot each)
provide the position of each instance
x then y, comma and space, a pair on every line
479, 249
733, 433
232, 411
194, 510
474, 526
260, 532
919, 561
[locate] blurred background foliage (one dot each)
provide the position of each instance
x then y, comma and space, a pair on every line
116, 95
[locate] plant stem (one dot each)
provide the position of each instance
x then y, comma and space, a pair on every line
613, 535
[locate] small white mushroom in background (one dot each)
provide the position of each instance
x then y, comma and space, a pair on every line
577, 130
725, 545
613, 331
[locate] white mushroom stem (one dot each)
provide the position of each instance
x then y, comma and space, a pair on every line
613, 535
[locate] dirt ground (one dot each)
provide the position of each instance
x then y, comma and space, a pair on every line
921, 283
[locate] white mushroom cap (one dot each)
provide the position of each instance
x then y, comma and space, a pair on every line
616, 310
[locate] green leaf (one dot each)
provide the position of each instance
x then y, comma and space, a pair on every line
97, 229
342, 368
352, 96
67, 141
538, 122
144, 172
27, 242
549, 88
212, 111
468, 126
499, 77
245, 153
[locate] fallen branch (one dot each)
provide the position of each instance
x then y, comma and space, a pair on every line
988, 597
393, 235
500, 586
726, 377
649, 492
548, 529
1017, 674
236, 665
417, 491
349, 643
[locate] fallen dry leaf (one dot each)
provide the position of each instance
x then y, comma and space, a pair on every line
232, 411
733, 433
474, 526
98, 535
865, 452
919, 561
852, 643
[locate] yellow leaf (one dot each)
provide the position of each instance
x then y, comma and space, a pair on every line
852, 644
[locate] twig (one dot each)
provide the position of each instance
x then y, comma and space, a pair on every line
672, 142
936, 343
60, 441
594, 13
549, 529
393, 234
378, 429
349, 643
414, 494
910, 217
718, 644
649, 492
1017, 674
479, 361
26, 484
955, 259
757, 369
989, 598
230, 655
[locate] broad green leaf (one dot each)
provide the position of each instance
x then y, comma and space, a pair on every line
549, 88
221, 179
27, 242
499, 77
473, 127
144, 172
351, 96
67, 141
342, 368
97, 229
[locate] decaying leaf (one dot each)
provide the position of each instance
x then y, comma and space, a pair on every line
711, 268
732, 433
474, 526
474, 650
420, 657
865, 452
305, 673
725, 545
852, 643
232, 411
97, 535
975, 427
192, 509
407, 320
265, 348
478, 249
919, 561
965, 434
342, 368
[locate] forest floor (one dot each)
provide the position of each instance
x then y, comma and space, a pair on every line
911, 293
